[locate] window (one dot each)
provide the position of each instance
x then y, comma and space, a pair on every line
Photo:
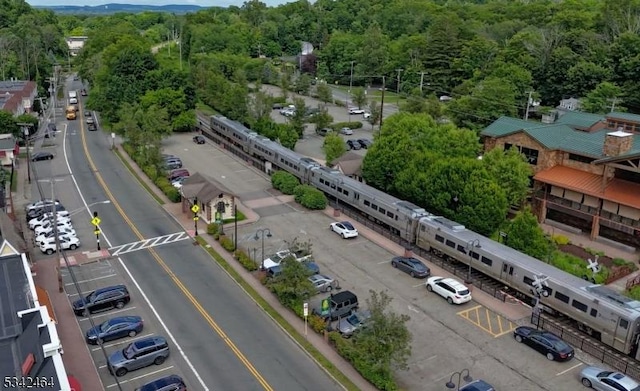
594, 312
579, 305
562, 297
531, 154
475, 255
507, 146
580, 158
439, 239
451, 244
374, 206
624, 323
422, 228
367, 203
487, 261
383, 211
527, 280
390, 214
356, 196
462, 249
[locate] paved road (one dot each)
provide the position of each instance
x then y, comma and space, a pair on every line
230, 343
445, 338
338, 94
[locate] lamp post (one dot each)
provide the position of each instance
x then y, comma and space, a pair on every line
27, 140
462, 375
260, 234
235, 226
470, 246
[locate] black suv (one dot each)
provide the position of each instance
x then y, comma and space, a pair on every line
168, 383
101, 300
341, 304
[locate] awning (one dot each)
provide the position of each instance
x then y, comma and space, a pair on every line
74, 383
45, 300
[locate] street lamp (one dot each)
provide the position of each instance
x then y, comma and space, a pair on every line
27, 140
470, 246
462, 375
260, 234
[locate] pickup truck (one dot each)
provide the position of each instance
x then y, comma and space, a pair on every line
277, 258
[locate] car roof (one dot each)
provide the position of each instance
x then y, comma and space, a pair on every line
317, 277
344, 295
478, 385
111, 288
162, 382
624, 380
124, 319
455, 284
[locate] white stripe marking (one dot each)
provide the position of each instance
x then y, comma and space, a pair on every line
92, 279
121, 342
140, 377
107, 314
569, 369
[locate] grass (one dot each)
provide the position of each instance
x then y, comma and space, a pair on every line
205, 109
345, 381
241, 217
140, 180
14, 181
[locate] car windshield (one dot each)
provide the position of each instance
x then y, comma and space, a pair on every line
104, 327
91, 296
348, 225
604, 374
463, 292
129, 351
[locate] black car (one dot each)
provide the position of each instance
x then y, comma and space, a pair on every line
167, 383
412, 266
92, 127
353, 145
364, 143
41, 156
115, 328
198, 139
83, 92
87, 113
102, 299
549, 344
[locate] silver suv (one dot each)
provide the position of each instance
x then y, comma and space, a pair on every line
139, 354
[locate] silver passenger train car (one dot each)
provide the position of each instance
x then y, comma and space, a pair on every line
600, 311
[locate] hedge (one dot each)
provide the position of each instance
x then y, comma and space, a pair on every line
284, 181
156, 176
310, 197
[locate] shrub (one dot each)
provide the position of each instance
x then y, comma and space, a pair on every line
634, 292
316, 323
310, 197
339, 103
245, 260
151, 172
352, 125
284, 181
212, 228
226, 243
560, 240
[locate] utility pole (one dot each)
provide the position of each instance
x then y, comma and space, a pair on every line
421, 80
351, 78
384, 87
180, 45
27, 140
613, 104
526, 113
399, 70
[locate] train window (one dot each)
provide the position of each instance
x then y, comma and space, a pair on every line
346, 193
374, 206
356, 196
383, 211
579, 305
439, 239
527, 280
367, 203
462, 249
422, 228
340, 189
624, 323
475, 255
390, 214
486, 261
594, 312
562, 297
396, 218
450, 244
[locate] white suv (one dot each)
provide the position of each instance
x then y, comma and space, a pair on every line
66, 243
452, 290
47, 218
43, 229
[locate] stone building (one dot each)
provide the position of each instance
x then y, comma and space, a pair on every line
210, 195
586, 170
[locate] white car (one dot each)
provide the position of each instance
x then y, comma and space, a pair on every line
178, 182
455, 292
49, 227
66, 232
49, 246
40, 204
277, 258
366, 115
344, 229
346, 131
355, 110
48, 217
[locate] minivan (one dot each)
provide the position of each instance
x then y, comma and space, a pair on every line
341, 304
175, 174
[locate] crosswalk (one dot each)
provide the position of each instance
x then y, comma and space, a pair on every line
148, 243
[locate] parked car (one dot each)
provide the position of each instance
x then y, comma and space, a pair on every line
37, 212
139, 354
602, 380
340, 305
412, 266
47, 217
63, 232
324, 131
344, 229
177, 183
356, 110
50, 246
277, 106
549, 344
38, 156
352, 323
277, 258
115, 328
41, 203
87, 113
173, 164
276, 270
92, 127
83, 92
199, 139
364, 143
346, 131
323, 283
175, 174
366, 115
102, 299
352, 144
166, 156
90, 120
167, 383
49, 227
452, 290
477, 385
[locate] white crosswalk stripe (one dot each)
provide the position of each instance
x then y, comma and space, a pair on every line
147, 243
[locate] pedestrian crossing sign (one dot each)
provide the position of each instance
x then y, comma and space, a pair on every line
97, 232
195, 209
96, 221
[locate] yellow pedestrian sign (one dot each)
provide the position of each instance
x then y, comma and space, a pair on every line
195, 209
96, 221
196, 218
97, 232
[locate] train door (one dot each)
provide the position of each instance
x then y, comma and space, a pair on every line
620, 335
506, 274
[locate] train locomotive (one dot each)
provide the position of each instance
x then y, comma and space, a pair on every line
599, 311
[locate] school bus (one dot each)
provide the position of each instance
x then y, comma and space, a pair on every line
71, 112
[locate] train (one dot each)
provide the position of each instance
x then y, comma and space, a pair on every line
599, 311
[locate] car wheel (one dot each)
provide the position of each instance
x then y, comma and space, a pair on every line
132, 333
449, 300
412, 274
429, 288
331, 228
329, 288
49, 251
121, 372
85, 312
394, 264
344, 236
119, 304
550, 356
99, 341
586, 382
159, 360
73, 247
518, 338
50, 157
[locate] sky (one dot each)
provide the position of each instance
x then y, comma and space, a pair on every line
203, 3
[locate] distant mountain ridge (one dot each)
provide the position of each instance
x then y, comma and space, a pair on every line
129, 8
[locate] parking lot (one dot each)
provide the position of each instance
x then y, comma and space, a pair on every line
91, 276
488, 320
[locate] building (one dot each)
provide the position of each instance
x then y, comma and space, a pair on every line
76, 44
29, 343
9, 149
350, 164
17, 96
215, 201
586, 170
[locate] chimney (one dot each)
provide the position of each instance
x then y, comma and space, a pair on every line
617, 143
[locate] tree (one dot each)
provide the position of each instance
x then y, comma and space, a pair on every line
602, 99
512, 170
8, 124
333, 147
260, 105
292, 287
384, 343
303, 84
324, 92
298, 118
415, 104
375, 113
524, 234
322, 119
359, 97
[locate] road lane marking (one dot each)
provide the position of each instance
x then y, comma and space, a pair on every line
107, 314
141, 376
92, 279
110, 345
568, 369
171, 274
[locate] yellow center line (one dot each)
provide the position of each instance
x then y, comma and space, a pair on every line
166, 268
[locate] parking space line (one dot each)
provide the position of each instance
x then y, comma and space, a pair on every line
107, 313
487, 320
383, 262
81, 293
141, 376
121, 342
415, 286
92, 279
568, 369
